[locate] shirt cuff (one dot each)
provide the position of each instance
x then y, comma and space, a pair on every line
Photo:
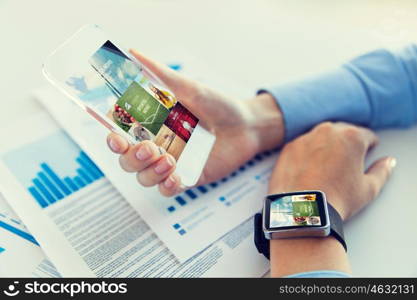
332, 96
320, 274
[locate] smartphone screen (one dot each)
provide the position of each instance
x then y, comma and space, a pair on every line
118, 88
112, 86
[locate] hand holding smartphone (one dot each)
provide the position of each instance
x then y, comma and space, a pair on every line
119, 92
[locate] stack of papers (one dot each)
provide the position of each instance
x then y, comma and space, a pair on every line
20, 253
85, 217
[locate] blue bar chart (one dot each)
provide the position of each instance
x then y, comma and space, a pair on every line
49, 188
193, 194
52, 168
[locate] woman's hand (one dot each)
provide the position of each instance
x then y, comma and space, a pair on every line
242, 129
330, 158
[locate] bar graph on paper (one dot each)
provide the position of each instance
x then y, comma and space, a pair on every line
48, 187
193, 194
53, 168
192, 207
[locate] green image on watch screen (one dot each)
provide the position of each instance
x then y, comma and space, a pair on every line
295, 210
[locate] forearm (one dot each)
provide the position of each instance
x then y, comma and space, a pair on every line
291, 256
298, 255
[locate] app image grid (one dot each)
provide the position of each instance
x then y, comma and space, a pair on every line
296, 210
128, 96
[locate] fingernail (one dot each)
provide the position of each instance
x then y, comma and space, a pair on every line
144, 152
169, 182
114, 145
161, 150
181, 188
163, 165
392, 163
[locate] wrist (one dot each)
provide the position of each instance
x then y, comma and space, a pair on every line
302, 249
266, 121
297, 255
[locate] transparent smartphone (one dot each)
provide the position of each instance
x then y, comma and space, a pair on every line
111, 85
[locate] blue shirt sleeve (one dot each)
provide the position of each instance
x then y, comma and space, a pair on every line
377, 90
320, 274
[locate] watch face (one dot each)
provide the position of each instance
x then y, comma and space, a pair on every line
295, 210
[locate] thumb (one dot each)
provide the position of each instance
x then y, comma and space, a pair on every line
378, 174
182, 87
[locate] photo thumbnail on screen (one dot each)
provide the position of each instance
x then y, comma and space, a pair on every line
118, 88
295, 210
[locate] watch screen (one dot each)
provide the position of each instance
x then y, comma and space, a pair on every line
295, 210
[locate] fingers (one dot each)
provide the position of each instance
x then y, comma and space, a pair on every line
367, 141
360, 134
139, 157
369, 137
175, 81
152, 166
378, 174
117, 144
170, 186
193, 95
146, 159
157, 172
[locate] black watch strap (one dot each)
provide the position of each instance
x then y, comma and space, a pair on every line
261, 242
336, 230
336, 225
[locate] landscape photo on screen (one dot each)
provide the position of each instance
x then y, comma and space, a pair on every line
295, 210
118, 88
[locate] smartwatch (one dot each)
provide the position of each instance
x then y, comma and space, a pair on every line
295, 215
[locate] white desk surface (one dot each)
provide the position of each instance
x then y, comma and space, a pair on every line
255, 43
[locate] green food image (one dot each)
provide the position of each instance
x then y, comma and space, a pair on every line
124, 126
143, 107
305, 209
